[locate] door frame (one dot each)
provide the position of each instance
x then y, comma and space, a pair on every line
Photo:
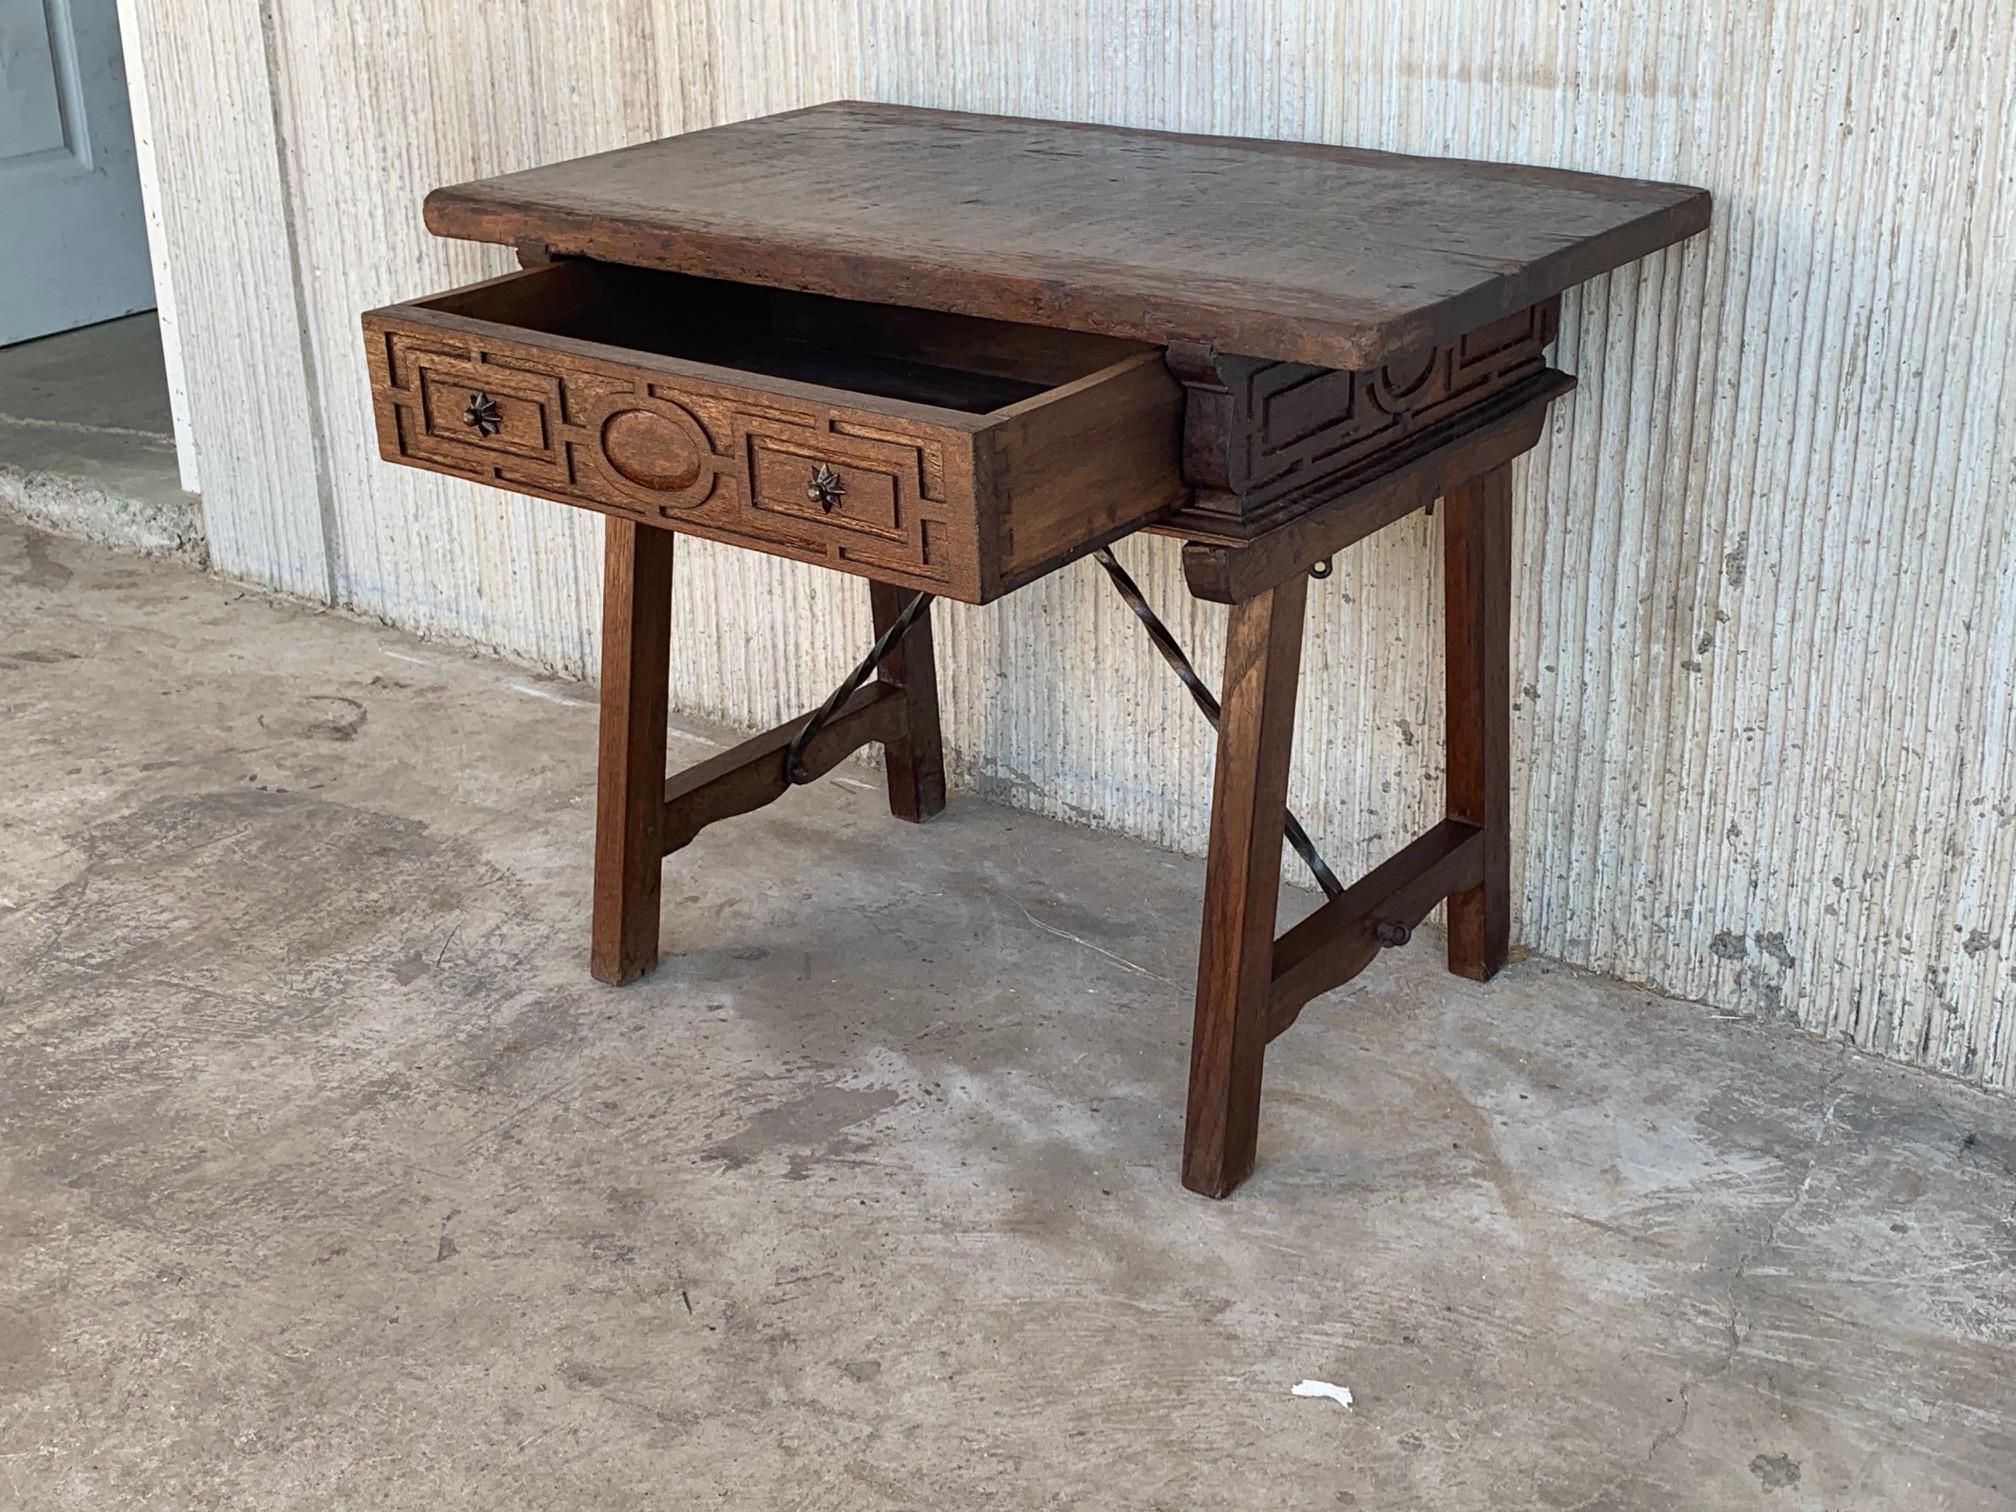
130, 33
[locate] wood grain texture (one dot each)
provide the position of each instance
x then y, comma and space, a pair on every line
709, 408
747, 776
630, 786
1242, 885
1765, 572
1086, 464
1295, 251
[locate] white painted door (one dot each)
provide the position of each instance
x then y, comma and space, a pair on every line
73, 240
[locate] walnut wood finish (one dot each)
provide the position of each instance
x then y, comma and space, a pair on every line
916, 757
1242, 885
909, 345
967, 457
1265, 442
1414, 475
748, 776
1251, 986
1477, 561
630, 786
898, 711
1334, 256
1341, 938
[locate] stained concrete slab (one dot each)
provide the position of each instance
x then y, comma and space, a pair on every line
328, 1179
108, 376
87, 441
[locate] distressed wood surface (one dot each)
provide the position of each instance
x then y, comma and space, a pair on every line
1295, 251
1764, 593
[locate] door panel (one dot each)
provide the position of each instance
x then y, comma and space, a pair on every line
73, 239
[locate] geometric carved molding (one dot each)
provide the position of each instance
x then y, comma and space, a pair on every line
641, 444
1264, 440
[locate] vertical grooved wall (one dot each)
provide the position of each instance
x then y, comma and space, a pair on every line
1766, 589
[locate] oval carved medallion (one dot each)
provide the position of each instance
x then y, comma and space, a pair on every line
652, 450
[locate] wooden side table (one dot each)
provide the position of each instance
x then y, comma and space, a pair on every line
951, 353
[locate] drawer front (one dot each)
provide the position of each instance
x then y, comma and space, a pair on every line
787, 472
810, 479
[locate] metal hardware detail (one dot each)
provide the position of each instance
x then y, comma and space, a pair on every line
794, 770
826, 490
1392, 932
1203, 697
482, 416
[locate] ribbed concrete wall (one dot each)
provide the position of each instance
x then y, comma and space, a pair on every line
1766, 588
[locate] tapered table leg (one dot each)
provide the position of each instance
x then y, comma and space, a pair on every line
1242, 881
1477, 556
630, 776
917, 761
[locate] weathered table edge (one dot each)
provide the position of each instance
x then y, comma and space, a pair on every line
482, 210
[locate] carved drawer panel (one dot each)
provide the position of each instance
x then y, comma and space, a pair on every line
946, 453
817, 482
1271, 439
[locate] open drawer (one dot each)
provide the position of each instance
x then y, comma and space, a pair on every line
944, 452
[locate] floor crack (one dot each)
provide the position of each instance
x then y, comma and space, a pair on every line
1733, 1323
1065, 934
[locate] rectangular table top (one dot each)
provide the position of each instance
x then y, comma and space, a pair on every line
1292, 251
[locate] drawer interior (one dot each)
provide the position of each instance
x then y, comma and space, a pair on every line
954, 362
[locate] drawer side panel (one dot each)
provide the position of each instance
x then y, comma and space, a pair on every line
1087, 464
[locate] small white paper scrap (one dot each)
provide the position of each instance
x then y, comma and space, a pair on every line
1341, 1395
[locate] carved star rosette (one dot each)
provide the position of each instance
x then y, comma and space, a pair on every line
826, 490
482, 415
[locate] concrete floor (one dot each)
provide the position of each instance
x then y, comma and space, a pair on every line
87, 444
328, 1179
